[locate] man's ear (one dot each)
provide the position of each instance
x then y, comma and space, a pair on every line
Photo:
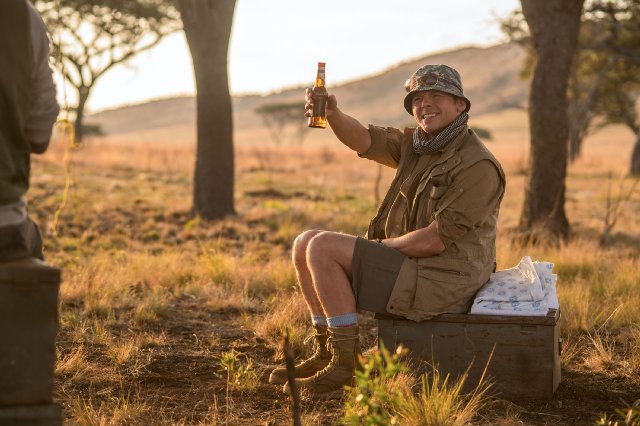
461, 105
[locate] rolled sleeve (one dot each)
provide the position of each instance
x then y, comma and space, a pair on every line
472, 198
385, 146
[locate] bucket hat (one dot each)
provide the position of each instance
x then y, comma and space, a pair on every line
434, 77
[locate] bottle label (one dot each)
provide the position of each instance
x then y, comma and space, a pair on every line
319, 103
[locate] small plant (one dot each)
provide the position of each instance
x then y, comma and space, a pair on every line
374, 400
629, 416
240, 373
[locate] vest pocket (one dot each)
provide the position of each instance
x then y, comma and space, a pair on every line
443, 283
438, 191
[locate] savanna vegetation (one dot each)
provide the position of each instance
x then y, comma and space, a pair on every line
167, 319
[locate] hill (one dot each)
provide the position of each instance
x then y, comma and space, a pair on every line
490, 78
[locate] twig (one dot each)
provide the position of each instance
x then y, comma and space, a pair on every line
291, 375
613, 207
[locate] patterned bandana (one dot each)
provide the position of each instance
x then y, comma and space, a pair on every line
423, 143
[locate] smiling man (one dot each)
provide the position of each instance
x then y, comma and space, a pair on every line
429, 248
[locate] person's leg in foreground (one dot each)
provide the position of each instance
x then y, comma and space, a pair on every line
323, 265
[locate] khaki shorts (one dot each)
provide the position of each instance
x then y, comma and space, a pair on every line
375, 268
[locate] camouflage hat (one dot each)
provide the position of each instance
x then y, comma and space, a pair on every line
434, 77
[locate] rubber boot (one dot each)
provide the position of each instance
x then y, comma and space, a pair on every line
310, 366
328, 383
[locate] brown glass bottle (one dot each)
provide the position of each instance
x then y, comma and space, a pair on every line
319, 97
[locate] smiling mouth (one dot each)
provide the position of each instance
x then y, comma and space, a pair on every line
427, 116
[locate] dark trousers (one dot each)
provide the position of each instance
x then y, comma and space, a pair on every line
20, 241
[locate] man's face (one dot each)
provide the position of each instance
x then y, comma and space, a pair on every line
435, 110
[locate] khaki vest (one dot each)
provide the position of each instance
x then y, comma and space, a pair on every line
448, 282
16, 62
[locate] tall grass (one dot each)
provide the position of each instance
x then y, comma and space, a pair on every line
595, 285
287, 311
385, 394
132, 255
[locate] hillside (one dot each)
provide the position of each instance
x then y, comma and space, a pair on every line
490, 78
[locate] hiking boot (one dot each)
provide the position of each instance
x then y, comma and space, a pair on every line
310, 366
328, 383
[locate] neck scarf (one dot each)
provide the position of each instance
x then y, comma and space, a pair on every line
424, 143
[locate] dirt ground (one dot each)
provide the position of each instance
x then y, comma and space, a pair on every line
176, 376
180, 380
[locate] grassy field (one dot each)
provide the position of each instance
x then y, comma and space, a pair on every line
165, 319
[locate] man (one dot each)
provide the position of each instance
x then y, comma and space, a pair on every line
28, 109
431, 245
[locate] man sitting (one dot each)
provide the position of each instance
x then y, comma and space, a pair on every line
429, 248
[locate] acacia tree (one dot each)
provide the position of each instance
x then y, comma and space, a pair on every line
277, 116
89, 37
617, 105
605, 77
207, 26
554, 30
618, 92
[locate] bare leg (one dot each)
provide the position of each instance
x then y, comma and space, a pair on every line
329, 258
327, 269
305, 281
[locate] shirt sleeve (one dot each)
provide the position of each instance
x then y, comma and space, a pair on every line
385, 146
473, 196
43, 106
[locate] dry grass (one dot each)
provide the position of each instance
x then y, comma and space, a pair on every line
287, 313
144, 280
441, 402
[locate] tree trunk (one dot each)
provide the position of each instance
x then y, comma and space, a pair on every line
581, 108
554, 29
207, 26
635, 157
83, 95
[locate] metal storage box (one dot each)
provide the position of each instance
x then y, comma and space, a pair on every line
28, 325
31, 415
525, 362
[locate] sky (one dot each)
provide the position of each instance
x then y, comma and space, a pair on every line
277, 44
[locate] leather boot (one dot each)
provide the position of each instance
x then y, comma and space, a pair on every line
328, 383
307, 368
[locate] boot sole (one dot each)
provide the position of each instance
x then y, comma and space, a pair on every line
276, 380
326, 396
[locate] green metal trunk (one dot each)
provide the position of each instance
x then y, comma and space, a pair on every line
521, 354
28, 326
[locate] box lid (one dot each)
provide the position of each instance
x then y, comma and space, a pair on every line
28, 271
552, 317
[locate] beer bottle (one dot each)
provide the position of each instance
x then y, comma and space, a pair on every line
319, 97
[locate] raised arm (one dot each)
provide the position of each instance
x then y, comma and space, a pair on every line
346, 128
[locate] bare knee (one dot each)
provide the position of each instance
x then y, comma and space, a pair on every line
331, 248
319, 248
300, 246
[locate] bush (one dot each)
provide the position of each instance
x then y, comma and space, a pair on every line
629, 416
384, 395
